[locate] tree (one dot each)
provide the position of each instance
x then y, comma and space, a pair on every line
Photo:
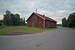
7, 18
1, 21
8, 12
22, 21
71, 20
17, 17
11, 19
64, 22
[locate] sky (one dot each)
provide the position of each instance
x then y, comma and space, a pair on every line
55, 9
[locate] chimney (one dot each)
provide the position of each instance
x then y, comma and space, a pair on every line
43, 15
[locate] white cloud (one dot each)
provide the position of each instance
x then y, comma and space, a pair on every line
61, 11
46, 7
53, 15
1, 17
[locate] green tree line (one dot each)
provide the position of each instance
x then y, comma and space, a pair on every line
70, 22
12, 19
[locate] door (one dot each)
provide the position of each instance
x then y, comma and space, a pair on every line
33, 24
48, 25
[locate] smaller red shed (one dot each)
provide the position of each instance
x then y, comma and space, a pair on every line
40, 21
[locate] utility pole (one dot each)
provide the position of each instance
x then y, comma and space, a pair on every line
36, 10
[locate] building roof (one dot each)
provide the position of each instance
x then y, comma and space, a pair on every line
43, 17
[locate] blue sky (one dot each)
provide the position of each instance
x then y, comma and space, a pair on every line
56, 9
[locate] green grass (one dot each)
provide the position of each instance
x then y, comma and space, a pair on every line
12, 29
73, 27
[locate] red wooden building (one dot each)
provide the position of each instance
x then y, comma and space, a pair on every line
40, 21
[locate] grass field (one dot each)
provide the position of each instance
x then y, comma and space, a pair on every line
13, 29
